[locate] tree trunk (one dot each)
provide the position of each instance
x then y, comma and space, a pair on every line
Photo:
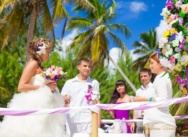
31, 27
124, 76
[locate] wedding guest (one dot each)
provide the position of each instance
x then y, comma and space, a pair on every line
120, 96
35, 94
159, 120
146, 90
75, 92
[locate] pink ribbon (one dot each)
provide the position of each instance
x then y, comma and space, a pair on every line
123, 106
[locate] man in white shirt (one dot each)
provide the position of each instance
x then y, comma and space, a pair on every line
74, 92
146, 90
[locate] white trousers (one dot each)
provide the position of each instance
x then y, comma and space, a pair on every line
72, 128
162, 130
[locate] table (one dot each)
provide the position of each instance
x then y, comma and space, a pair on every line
109, 135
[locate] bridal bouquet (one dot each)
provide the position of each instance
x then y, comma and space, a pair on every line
174, 43
91, 97
54, 73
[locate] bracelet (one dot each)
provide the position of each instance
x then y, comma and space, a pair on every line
150, 99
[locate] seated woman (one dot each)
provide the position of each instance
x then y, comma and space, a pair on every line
119, 96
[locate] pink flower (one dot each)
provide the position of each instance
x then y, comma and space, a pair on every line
172, 60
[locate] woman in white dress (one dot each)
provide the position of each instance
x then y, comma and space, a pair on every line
159, 120
36, 93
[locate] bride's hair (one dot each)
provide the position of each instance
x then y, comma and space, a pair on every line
33, 48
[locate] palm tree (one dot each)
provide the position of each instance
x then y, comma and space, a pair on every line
22, 15
97, 33
145, 47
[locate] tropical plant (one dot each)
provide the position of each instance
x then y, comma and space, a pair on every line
22, 15
125, 63
97, 34
145, 48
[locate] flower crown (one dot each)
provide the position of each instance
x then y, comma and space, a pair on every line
41, 48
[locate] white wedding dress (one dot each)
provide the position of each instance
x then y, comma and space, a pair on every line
43, 125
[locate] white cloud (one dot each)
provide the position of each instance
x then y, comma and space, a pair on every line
67, 40
161, 28
137, 7
115, 54
134, 56
120, 5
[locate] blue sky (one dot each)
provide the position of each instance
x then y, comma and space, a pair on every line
138, 15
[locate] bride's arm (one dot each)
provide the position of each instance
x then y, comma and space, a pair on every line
29, 71
140, 99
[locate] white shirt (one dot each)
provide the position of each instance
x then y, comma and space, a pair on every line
76, 89
163, 89
147, 91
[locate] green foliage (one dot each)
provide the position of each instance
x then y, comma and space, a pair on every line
10, 71
125, 63
145, 47
9, 76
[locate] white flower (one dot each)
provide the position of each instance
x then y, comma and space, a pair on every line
177, 55
162, 42
178, 4
180, 36
95, 96
169, 50
47, 72
177, 49
54, 72
184, 59
175, 43
166, 63
165, 12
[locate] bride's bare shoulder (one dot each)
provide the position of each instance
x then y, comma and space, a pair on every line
32, 63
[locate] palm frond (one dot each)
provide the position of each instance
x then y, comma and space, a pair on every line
117, 41
78, 22
100, 29
47, 21
85, 4
79, 39
59, 11
140, 63
99, 47
6, 3
144, 51
120, 27
13, 24
137, 44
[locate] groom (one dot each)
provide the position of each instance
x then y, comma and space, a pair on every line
74, 92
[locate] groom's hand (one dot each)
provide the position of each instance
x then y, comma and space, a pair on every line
67, 99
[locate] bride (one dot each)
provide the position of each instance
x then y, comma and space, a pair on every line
36, 93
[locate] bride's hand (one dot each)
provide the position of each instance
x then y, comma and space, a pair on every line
52, 85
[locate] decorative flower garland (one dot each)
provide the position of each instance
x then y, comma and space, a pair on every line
174, 43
